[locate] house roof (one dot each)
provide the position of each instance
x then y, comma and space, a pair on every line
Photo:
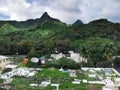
42, 58
2, 57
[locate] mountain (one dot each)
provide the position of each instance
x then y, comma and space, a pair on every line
46, 34
78, 22
45, 16
101, 22
8, 28
45, 21
31, 23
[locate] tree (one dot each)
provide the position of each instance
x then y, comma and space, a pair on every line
32, 53
108, 51
96, 50
49, 46
62, 62
63, 46
24, 46
66, 63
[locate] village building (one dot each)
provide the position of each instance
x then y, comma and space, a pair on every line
57, 56
3, 62
71, 55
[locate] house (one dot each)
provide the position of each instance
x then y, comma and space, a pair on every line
76, 57
71, 55
57, 56
3, 61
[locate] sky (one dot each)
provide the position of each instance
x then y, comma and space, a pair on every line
67, 11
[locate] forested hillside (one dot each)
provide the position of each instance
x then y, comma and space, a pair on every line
99, 39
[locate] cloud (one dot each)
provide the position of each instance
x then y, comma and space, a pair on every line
66, 10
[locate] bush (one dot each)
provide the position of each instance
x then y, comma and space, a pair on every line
33, 65
64, 63
52, 63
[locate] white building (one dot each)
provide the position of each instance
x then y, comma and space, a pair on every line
57, 56
3, 61
74, 56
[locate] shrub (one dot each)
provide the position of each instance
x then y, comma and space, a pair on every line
64, 63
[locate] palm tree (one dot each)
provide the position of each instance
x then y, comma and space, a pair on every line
108, 51
85, 51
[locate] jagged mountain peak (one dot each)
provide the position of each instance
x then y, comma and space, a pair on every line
45, 13
78, 22
45, 16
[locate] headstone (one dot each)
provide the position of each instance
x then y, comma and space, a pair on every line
61, 69
56, 85
73, 73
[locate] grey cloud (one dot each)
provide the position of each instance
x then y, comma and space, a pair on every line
66, 10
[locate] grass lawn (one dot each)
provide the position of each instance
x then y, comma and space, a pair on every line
53, 73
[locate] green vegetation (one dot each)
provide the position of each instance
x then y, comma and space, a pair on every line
56, 77
53, 73
19, 81
64, 63
21, 65
97, 41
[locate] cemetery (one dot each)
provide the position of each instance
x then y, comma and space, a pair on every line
22, 77
60, 79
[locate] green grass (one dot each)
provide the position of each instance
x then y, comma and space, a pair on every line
65, 81
81, 86
68, 86
54, 73
21, 81
21, 65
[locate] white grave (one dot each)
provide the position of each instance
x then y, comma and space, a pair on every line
61, 69
84, 81
56, 85
73, 73
33, 84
